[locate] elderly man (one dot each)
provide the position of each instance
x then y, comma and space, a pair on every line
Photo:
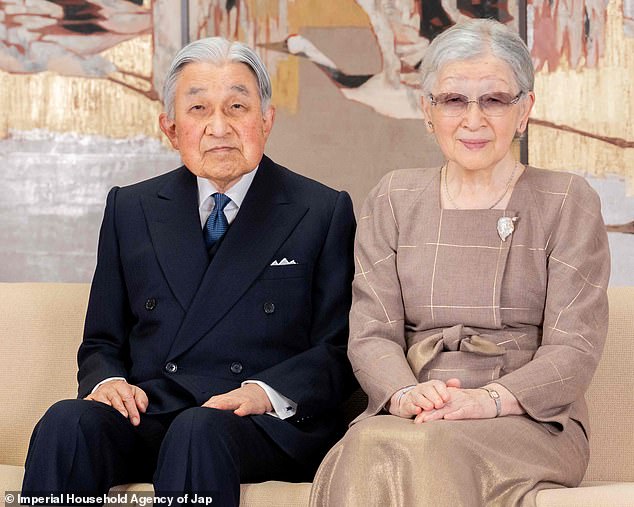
214, 346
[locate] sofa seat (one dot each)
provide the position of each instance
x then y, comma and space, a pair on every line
272, 493
40, 330
285, 494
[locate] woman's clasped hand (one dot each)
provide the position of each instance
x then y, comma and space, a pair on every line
435, 399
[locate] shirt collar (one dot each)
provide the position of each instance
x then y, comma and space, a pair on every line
236, 193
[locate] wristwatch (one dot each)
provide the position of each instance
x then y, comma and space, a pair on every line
496, 398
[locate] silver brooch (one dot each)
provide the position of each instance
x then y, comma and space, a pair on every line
506, 226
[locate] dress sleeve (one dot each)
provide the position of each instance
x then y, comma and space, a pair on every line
377, 336
575, 317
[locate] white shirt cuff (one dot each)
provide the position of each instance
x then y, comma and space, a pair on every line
283, 408
104, 381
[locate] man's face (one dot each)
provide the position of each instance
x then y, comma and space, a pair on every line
218, 126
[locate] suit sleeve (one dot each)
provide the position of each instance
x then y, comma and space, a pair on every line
320, 378
103, 350
575, 314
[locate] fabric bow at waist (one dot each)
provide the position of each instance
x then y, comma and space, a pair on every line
474, 357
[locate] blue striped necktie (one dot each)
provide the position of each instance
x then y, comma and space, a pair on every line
217, 223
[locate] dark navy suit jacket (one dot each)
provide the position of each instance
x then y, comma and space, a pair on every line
183, 328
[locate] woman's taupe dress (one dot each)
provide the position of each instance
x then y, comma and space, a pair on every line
439, 294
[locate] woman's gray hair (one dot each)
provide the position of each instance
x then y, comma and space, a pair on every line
473, 39
216, 50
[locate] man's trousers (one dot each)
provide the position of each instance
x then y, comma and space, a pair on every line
87, 447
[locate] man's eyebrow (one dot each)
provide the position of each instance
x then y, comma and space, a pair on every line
194, 90
241, 89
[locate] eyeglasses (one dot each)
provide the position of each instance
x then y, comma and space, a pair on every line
491, 104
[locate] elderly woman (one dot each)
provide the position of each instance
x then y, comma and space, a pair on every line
480, 308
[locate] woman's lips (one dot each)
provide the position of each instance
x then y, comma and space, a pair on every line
474, 144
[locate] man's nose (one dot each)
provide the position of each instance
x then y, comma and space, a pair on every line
217, 125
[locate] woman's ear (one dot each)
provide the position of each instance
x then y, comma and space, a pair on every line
426, 108
526, 105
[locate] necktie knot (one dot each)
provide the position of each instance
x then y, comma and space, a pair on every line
221, 201
217, 223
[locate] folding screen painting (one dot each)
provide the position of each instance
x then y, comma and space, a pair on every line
80, 85
583, 119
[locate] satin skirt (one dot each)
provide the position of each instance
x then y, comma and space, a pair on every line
389, 461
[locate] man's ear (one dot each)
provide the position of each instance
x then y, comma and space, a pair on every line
268, 119
169, 129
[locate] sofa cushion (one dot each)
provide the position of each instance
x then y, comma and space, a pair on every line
589, 494
280, 494
610, 396
41, 326
10, 479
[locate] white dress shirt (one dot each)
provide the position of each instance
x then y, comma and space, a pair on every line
236, 193
282, 406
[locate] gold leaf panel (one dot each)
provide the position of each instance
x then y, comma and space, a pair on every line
73, 104
585, 118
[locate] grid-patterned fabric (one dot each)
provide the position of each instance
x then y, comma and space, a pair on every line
431, 284
441, 293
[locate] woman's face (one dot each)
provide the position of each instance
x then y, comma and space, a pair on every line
474, 140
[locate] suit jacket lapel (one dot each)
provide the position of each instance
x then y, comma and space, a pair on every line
174, 225
266, 218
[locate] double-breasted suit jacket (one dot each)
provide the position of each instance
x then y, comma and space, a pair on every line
184, 328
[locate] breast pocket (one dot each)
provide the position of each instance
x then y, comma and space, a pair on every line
285, 271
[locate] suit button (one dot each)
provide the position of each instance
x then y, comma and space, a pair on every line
150, 304
171, 368
269, 307
236, 367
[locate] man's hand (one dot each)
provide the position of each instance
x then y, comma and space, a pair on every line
129, 400
246, 400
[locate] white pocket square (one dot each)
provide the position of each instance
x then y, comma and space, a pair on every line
283, 262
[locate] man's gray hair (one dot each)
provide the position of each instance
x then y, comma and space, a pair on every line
476, 38
218, 51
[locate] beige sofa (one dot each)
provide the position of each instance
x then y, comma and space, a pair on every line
40, 330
